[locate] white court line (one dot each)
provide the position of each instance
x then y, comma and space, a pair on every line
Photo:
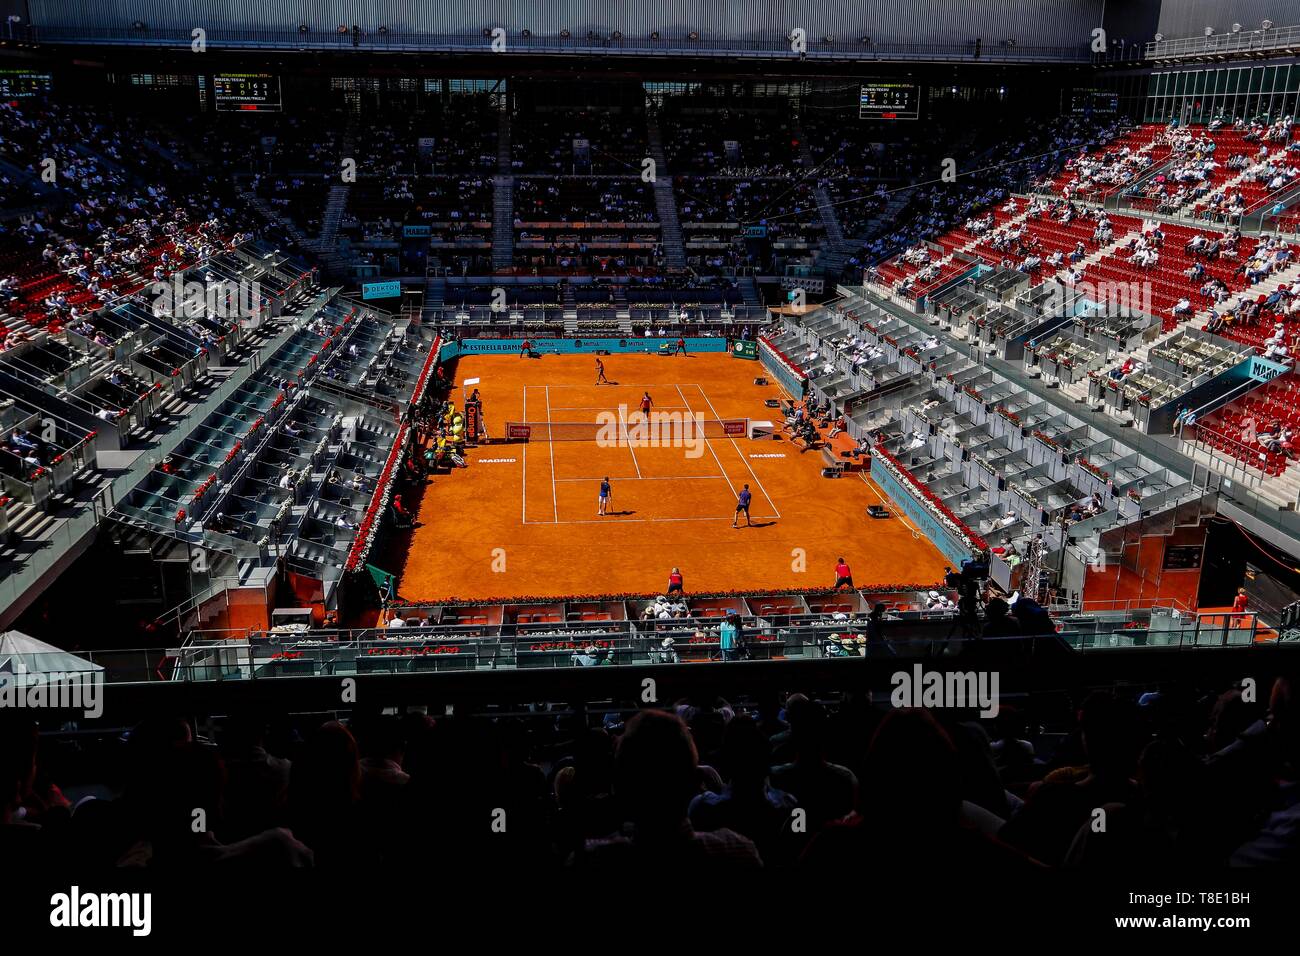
710, 444
657, 478
615, 519
871, 486
628, 438
555, 502
743, 459
642, 385
523, 479
607, 408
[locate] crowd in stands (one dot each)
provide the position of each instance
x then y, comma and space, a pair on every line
1016, 154
1192, 776
450, 205
584, 199
765, 142
463, 131
307, 141
117, 222
544, 142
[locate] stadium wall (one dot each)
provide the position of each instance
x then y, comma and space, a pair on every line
1031, 23
575, 345
920, 516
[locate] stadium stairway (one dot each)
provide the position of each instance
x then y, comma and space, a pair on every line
503, 144
670, 227
503, 221
1282, 491
435, 292
334, 206
268, 212
337, 201
749, 290
831, 256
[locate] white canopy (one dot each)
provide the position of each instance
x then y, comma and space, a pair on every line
23, 654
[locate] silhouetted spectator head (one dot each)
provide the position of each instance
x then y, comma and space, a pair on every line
1284, 724
807, 719
997, 609
912, 772
655, 770
379, 736
189, 804
1106, 727
746, 753
328, 772
1229, 717
18, 740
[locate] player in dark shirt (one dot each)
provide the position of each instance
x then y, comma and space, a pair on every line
742, 504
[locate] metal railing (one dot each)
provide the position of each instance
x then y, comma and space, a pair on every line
1245, 41
378, 651
1235, 467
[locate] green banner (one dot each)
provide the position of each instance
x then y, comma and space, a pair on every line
743, 348
384, 580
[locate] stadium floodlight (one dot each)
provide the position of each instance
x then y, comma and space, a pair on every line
525, 33
1209, 31
303, 28
1236, 28
1159, 37
1266, 25
693, 35
829, 38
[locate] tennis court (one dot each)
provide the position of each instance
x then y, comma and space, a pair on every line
522, 519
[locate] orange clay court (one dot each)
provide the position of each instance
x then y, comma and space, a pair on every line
536, 501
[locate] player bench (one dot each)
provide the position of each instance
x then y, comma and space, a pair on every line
833, 465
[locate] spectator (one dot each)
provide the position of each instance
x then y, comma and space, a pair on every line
655, 779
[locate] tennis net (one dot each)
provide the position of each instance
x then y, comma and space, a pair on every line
663, 428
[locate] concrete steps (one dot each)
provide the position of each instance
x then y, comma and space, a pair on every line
670, 227
503, 221
1282, 491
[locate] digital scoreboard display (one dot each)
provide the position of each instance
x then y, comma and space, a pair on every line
889, 101
16, 83
1094, 101
251, 92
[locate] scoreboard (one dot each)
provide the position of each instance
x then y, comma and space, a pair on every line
16, 83
890, 101
253, 92
1093, 100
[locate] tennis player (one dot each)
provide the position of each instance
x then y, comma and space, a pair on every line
602, 503
646, 404
742, 504
600, 373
